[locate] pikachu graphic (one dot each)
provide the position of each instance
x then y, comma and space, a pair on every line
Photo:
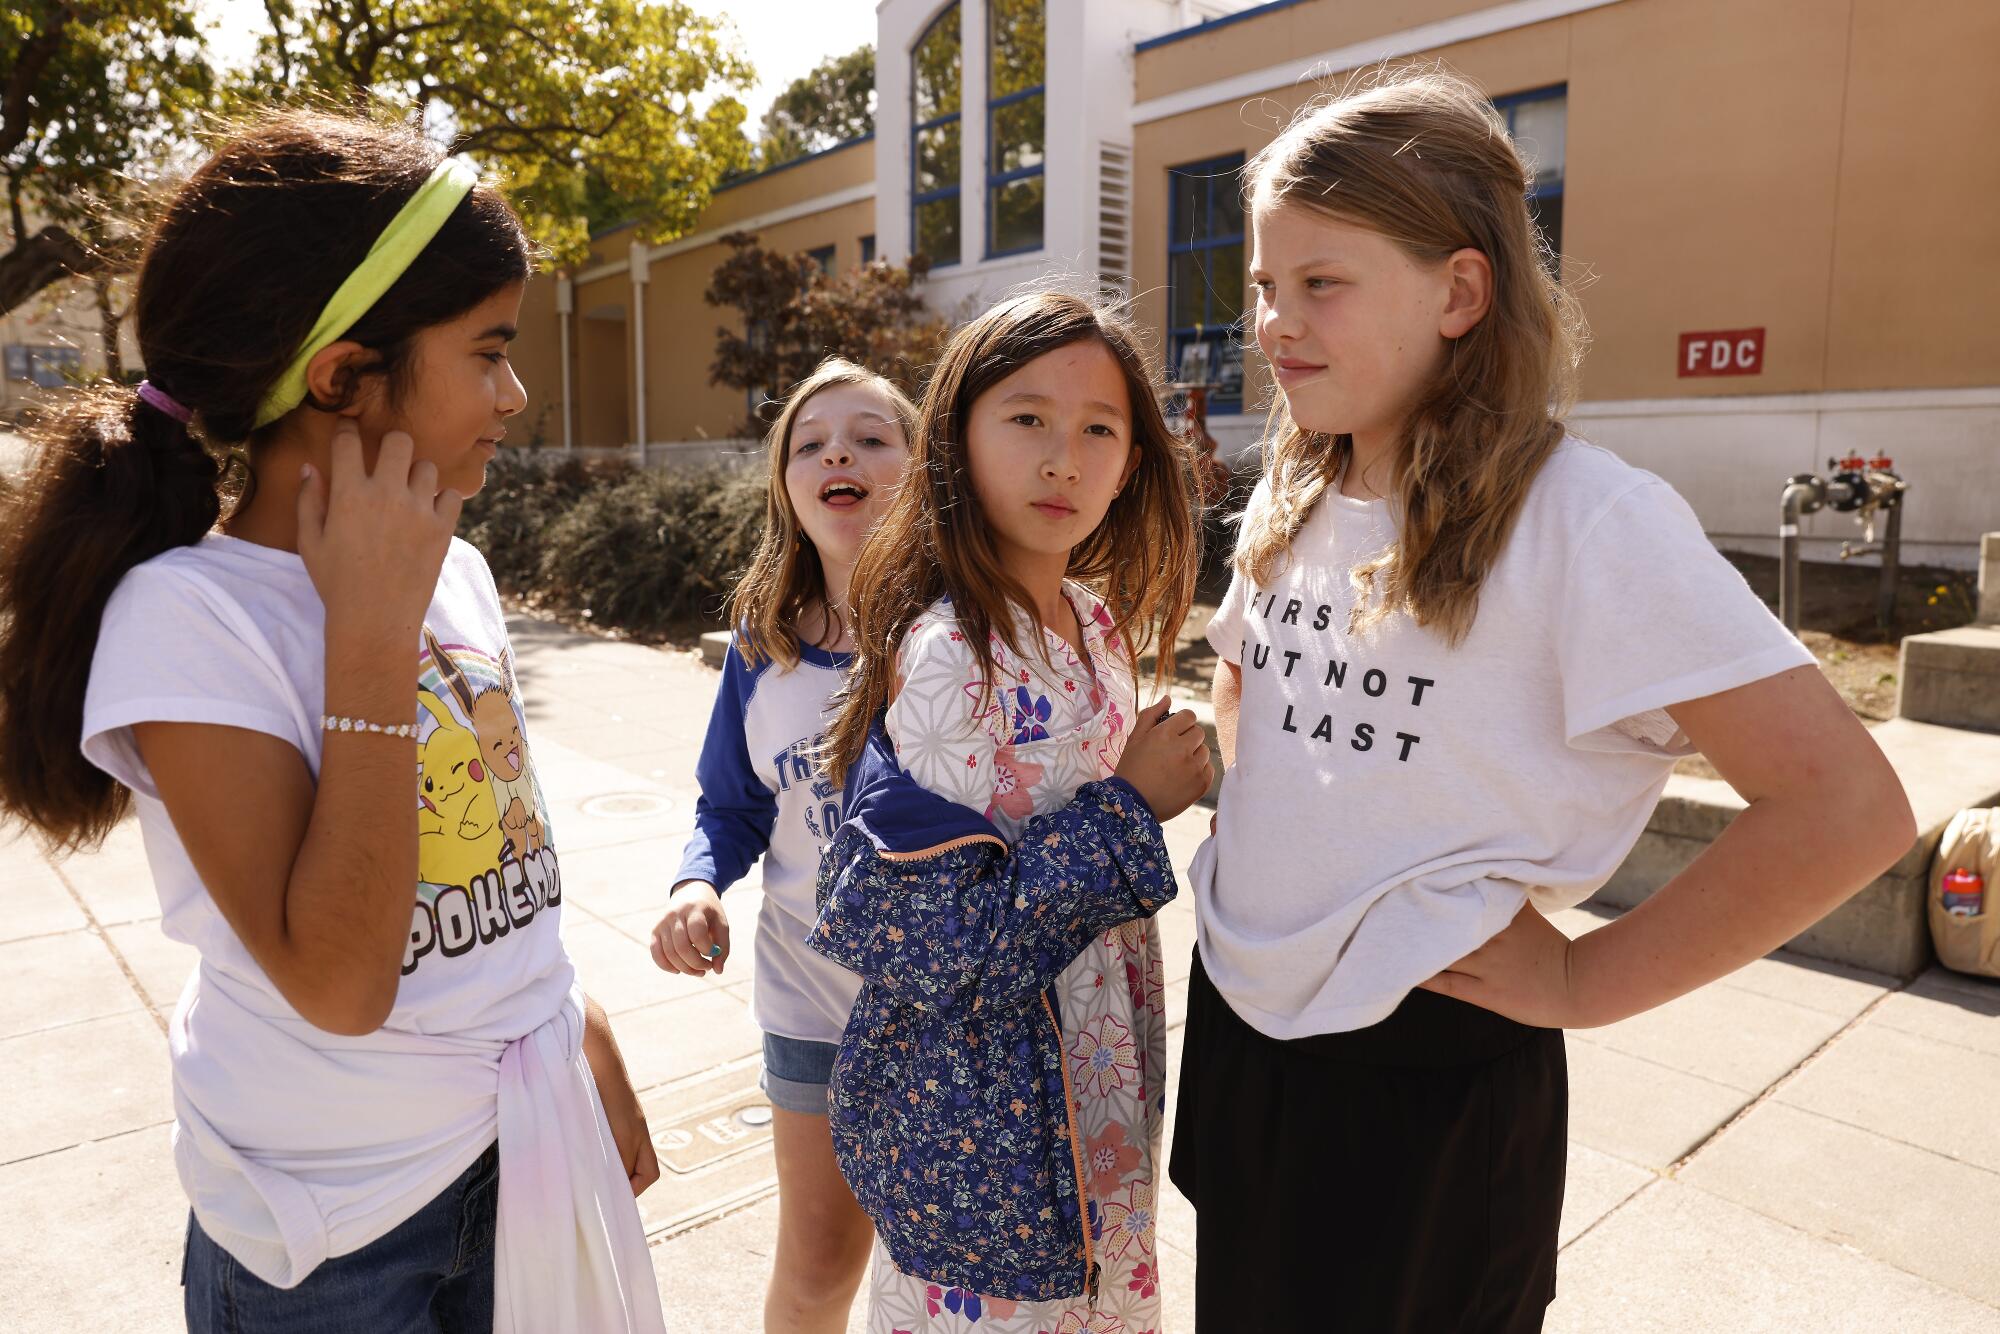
458, 821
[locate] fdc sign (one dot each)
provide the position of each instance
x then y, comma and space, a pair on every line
1724, 352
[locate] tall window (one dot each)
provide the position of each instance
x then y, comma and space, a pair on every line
1205, 277
1539, 123
1016, 124
935, 69
823, 256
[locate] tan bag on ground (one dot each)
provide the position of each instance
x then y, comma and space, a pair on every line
1971, 843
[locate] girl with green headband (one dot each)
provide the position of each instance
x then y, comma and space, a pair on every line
231, 604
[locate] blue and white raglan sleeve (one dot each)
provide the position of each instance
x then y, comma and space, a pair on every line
736, 811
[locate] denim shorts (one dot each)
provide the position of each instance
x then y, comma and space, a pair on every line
433, 1273
796, 1073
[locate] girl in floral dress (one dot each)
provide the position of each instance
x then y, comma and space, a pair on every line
1045, 528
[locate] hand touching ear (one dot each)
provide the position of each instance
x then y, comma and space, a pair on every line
374, 542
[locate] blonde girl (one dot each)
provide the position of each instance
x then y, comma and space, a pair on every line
1460, 654
836, 455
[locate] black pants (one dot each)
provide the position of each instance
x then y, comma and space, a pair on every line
1406, 1177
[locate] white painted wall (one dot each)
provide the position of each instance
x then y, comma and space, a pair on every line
1730, 458
1090, 73
897, 23
1237, 438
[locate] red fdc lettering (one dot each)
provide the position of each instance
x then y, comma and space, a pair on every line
1723, 352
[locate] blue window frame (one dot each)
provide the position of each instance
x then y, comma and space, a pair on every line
936, 75
1016, 125
868, 248
1538, 122
1205, 277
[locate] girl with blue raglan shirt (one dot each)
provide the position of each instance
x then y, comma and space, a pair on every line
837, 452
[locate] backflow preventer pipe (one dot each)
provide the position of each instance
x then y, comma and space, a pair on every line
1892, 560
1802, 494
1862, 487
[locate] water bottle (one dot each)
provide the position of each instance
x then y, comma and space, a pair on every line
1962, 893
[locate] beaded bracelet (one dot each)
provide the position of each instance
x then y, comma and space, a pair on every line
330, 723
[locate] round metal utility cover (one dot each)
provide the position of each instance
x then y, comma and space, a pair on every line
626, 805
760, 1115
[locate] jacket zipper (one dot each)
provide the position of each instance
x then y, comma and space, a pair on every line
941, 849
1076, 1157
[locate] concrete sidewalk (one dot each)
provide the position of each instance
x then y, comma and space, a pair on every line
1799, 1147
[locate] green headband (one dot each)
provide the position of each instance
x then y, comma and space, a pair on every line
393, 252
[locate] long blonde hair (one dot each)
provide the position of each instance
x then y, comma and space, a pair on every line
1141, 560
785, 578
1419, 156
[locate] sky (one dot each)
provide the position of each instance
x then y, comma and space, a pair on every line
783, 38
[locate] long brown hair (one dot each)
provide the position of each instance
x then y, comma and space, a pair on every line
1141, 560
785, 578
1419, 156
238, 266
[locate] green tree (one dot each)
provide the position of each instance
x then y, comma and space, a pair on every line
89, 91
831, 103
793, 315
596, 110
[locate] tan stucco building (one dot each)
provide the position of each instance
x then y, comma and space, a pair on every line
1779, 214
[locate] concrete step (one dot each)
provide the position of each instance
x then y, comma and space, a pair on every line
1952, 678
1884, 927
715, 648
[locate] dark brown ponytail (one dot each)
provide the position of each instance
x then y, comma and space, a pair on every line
116, 483
237, 268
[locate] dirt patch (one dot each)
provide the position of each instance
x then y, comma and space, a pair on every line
1838, 599
1837, 621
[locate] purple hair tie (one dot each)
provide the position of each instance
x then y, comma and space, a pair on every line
156, 397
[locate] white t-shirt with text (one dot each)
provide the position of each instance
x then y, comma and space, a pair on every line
1395, 800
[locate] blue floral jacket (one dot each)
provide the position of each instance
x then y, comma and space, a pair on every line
950, 1107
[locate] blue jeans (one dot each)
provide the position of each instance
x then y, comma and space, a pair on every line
431, 1274
796, 1073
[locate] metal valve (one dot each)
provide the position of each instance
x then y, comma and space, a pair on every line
1868, 488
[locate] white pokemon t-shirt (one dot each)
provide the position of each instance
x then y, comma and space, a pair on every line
293, 1143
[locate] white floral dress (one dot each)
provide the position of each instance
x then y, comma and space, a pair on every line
1054, 726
